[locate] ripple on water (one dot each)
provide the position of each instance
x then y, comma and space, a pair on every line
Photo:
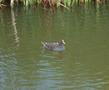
7, 68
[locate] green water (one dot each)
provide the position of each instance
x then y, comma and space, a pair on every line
25, 65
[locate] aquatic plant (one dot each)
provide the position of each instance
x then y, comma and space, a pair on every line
49, 3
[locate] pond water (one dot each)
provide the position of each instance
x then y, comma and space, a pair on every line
25, 65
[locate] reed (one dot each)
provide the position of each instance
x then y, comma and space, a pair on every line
48, 3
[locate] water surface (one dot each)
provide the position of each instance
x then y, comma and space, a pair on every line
25, 65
